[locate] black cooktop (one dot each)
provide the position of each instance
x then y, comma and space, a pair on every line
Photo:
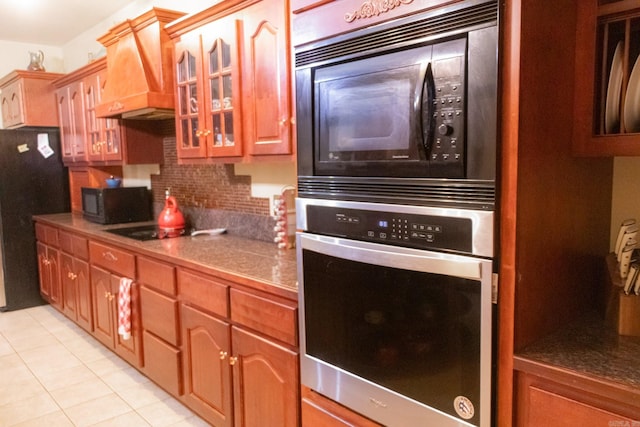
144, 232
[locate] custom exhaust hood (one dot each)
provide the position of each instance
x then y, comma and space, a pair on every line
139, 83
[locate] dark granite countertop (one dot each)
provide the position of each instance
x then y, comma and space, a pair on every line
251, 262
589, 349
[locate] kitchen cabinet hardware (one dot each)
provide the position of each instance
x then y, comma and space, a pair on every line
109, 256
72, 276
233, 361
223, 354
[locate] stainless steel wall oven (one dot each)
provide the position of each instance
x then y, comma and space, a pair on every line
395, 310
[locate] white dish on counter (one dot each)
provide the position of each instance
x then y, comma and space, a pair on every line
632, 100
614, 89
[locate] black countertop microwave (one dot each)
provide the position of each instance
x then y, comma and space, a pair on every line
116, 205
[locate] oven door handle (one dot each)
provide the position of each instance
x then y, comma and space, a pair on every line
395, 257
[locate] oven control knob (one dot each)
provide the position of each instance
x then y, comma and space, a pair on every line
445, 129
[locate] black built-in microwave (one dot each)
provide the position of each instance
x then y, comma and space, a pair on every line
403, 111
116, 205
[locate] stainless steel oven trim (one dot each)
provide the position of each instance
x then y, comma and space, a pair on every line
482, 221
378, 402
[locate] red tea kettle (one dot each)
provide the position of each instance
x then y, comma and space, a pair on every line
171, 221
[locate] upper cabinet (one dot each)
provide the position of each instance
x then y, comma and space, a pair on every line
90, 140
233, 81
207, 78
607, 94
27, 99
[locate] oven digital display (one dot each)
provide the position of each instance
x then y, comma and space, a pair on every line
409, 230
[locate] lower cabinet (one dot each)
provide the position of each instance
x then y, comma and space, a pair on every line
160, 324
318, 410
544, 402
104, 293
265, 381
227, 351
207, 366
234, 376
74, 277
49, 270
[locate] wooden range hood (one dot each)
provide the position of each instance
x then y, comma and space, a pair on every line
139, 83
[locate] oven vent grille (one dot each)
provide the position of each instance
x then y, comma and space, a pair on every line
472, 194
401, 34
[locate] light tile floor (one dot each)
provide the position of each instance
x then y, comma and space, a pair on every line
54, 374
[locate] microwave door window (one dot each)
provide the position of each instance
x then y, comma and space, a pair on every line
369, 117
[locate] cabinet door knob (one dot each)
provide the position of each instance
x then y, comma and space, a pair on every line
233, 360
72, 276
223, 354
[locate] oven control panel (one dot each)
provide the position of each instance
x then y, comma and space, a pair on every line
400, 229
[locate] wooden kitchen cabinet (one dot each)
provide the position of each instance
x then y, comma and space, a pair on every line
318, 410
207, 82
233, 87
102, 135
90, 140
70, 107
76, 288
607, 113
27, 99
108, 265
234, 374
49, 269
314, 20
49, 264
266, 382
266, 80
544, 402
160, 324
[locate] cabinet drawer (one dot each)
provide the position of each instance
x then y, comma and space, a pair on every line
47, 234
203, 292
66, 242
74, 245
157, 275
272, 318
114, 260
162, 364
159, 315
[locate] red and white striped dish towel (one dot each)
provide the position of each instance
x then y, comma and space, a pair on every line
124, 308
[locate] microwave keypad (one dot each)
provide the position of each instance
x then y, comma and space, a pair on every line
448, 114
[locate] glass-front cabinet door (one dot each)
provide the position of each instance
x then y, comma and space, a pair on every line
190, 135
103, 134
208, 92
222, 87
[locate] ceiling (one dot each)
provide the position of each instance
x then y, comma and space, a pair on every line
52, 22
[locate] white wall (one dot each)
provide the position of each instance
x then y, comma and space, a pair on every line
625, 200
15, 56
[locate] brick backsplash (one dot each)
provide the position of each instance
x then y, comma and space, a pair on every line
212, 196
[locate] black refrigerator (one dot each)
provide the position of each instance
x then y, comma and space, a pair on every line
33, 181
